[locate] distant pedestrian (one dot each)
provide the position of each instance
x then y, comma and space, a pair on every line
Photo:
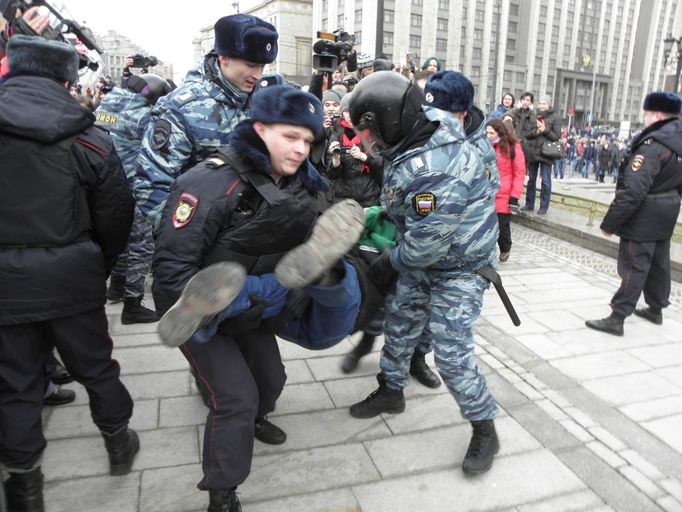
644, 212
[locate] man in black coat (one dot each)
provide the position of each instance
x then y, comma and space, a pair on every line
644, 212
66, 215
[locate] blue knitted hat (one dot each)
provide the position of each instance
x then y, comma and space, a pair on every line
242, 36
667, 102
283, 104
449, 90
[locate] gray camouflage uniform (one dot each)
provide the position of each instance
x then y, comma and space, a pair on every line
187, 126
441, 199
126, 115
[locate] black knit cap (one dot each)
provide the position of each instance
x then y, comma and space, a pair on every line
666, 102
32, 55
242, 36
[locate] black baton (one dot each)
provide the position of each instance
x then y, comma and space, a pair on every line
491, 275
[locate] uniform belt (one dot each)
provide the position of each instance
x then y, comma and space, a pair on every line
669, 193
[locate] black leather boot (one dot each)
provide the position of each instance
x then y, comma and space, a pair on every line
421, 371
224, 501
654, 315
25, 491
364, 347
482, 448
612, 324
115, 290
269, 433
382, 399
122, 446
135, 313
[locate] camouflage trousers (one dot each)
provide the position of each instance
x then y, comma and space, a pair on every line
133, 264
447, 304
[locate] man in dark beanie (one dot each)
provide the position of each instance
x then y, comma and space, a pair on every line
197, 118
249, 209
644, 212
66, 216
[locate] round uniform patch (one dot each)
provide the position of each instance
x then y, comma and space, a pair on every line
268, 47
424, 203
429, 97
184, 211
637, 162
161, 134
311, 107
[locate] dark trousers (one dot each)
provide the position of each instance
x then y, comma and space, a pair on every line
243, 377
85, 347
545, 170
504, 241
642, 267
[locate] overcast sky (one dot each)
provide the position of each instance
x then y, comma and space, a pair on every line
164, 28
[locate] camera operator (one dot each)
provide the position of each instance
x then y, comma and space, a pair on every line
355, 174
32, 19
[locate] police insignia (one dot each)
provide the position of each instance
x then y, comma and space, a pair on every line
389, 196
429, 97
637, 162
424, 203
311, 108
184, 211
161, 134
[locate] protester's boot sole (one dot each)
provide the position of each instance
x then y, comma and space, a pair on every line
334, 234
210, 291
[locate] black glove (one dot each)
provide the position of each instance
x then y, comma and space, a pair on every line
514, 205
382, 273
249, 320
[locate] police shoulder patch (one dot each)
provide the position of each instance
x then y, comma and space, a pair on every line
424, 203
184, 211
214, 162
161, 134
105, 118
637, 162
184, 97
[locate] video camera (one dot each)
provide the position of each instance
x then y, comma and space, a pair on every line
140, 61
56, 31
331, 49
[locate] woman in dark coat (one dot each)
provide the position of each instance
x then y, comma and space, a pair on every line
547, 129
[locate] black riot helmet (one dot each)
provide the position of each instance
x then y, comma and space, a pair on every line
150, 86
386, 104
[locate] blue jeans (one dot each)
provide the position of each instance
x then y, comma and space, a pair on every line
546, 187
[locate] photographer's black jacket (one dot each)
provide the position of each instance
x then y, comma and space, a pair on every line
66, 208
649, 185
228, 208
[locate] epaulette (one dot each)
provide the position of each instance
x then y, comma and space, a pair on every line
183, 97
215, 161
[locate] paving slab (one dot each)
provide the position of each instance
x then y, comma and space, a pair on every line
668, 429
297, 398
604, 364
516, 479
341, 500
172, 489
650, 409
634, 387
155, 358
96, 494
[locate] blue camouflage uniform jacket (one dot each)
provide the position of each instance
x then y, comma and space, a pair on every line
125, 115
441, 198
188, 125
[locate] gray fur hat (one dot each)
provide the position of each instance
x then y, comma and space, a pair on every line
32, 55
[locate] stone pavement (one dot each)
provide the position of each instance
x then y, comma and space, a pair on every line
588, 422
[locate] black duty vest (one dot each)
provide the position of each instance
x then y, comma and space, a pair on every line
58, 214
266, 221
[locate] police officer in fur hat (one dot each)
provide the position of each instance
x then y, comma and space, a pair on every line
66, 215
248, 209
197, 118
644, 212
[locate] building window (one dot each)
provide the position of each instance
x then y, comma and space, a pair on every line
513, 27
509, 59
416, 43
520, 77
441, 45
388, 37
443, 5
476, 54
511, 44
415, 20
480, 15
478, 35
358, 37
358, 16
389, 16
417, 2
339, 21
514, 9
475, 71
442, 24
303, 56
507, 76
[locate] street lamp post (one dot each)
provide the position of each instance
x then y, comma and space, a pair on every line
668, 44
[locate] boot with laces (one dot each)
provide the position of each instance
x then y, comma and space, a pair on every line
382, 399
224, 501
482, 448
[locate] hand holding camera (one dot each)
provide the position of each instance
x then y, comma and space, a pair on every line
357, 153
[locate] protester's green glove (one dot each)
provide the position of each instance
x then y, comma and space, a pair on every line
379, 232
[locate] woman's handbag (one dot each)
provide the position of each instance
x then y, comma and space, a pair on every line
552, 150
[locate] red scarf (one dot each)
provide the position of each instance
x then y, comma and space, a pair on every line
355, 141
